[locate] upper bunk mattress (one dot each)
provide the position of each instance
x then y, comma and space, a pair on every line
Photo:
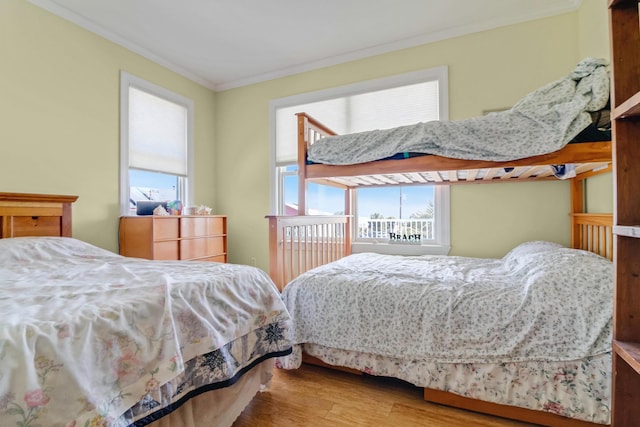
543, 122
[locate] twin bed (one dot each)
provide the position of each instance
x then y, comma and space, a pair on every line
91, 338
527, 336
529, 332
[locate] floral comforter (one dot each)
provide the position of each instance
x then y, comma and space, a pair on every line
88, 337
540, 302
532, 329
542, 122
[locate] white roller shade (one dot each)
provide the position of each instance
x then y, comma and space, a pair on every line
381, 109
157, 134
330, 112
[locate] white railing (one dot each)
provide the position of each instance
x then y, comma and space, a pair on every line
396, 229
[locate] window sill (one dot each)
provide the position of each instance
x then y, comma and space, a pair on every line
399, 249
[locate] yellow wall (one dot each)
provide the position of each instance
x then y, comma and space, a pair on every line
487, 70
593, 29
59, 88
59, 103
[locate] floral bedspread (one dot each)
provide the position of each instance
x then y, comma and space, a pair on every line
542, 122
579, 389
540, 302
87, 335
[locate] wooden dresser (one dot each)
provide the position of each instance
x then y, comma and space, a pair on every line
198, 237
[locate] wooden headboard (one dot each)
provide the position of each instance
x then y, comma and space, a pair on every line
24, 214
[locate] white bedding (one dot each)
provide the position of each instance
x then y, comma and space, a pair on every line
87, 334
540, 302
542, 122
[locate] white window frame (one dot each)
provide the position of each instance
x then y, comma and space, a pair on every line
442, 243
185, 185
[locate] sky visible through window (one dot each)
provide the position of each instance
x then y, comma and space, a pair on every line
390, 202
152, 185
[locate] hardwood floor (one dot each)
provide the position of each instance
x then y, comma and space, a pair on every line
316, 396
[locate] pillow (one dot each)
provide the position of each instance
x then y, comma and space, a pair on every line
516, 255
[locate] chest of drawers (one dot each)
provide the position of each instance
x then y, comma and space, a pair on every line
197, 237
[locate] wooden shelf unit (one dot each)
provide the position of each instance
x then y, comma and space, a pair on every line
197, 237
624, 22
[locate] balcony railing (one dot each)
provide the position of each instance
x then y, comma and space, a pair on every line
396, 230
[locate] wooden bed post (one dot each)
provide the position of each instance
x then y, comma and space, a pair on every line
302, 164
65, 220
309, 131
577, 206
349, 202
276, 261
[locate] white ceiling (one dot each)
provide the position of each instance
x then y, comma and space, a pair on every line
230, 43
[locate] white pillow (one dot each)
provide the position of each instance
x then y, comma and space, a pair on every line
516, 256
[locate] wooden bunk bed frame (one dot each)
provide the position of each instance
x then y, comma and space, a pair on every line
300, 243
590, 158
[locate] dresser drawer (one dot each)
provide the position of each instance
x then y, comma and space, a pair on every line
219, 258
166, 228
204, 247
194, 226
166, 251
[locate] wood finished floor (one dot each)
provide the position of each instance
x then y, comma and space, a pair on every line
315, 396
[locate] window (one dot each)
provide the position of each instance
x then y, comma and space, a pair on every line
156, 148
407, 219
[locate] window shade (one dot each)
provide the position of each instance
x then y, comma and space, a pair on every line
157, 134
381, 109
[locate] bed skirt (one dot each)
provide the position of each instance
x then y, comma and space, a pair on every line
578, 389
220, 407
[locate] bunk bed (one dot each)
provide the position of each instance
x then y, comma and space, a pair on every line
90, 337
302, 246
520, 143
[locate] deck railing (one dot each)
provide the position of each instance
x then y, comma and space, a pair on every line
416, 229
